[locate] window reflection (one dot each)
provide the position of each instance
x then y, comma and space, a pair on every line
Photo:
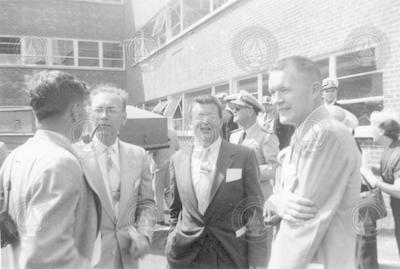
361, 86
356, 62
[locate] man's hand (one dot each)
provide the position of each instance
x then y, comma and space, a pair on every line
290, 206
140, 245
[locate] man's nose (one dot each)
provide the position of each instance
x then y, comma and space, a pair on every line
276, 98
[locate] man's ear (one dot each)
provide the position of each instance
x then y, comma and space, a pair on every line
73, 112
125, 118
316, 90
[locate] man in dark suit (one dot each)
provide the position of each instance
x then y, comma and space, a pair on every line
216, 215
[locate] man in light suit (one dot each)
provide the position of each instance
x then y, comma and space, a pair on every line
54, 206
121, 173
216, 215
252, 135
321, 165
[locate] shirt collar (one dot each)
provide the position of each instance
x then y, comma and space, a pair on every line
56, 137
214, 146
101, 147
251, 128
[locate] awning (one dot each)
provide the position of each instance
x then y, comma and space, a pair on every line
134, 113
173, 104
160, 107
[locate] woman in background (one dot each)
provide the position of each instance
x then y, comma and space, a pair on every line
387, 135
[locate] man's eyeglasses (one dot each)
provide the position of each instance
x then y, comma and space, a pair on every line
109, 110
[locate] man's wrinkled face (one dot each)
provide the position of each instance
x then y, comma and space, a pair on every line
293, 95
206, 123
329, 95
108, 112
241, 114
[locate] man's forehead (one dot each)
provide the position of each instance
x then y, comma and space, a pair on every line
106, 98
276, 78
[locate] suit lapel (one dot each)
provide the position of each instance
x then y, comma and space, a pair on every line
187, 194
96, 181
223, 162
127, 176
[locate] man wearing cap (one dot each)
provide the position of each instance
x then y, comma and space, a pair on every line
329, 91
269, 118
251, 134
227, 116
329, 96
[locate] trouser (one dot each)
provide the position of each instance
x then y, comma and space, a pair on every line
395, 205
366, 252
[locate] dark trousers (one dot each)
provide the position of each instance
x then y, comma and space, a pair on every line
395, 205
366, 251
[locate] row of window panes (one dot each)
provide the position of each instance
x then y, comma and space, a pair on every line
175, 17
36, 51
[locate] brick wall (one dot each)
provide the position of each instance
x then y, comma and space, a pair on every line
311, 28
62, 18
58, 18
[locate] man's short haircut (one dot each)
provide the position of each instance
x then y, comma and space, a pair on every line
123, 95
301, 63
391, 129
52, 92
207, 99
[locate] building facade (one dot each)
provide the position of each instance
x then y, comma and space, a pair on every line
210, 46
84, 38
166, 52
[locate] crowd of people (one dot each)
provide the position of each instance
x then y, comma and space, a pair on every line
271, 184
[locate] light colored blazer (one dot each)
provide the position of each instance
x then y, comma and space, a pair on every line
325, 158
3, 152
136, 207
266, 147
54, 206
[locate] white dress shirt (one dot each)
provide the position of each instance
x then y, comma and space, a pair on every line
102, 158
203, 171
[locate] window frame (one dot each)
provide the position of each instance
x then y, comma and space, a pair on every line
173, 38
50, 56
362, 130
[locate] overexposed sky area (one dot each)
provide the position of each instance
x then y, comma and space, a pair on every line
145, 9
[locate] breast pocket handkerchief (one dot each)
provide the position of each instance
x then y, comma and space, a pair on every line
233, 174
